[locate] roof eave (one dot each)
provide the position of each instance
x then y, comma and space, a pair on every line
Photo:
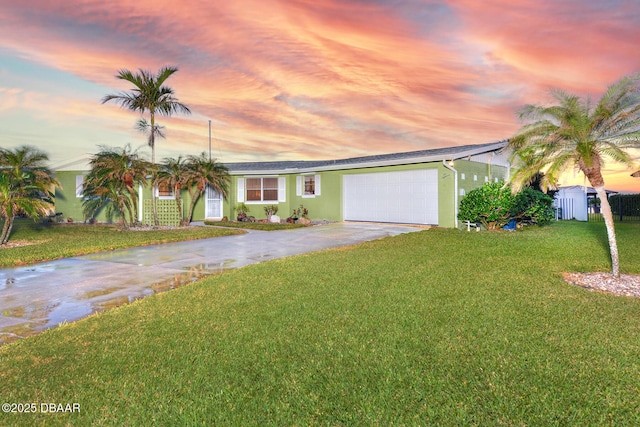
338, 165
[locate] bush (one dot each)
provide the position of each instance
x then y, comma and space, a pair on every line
533, 207
494, 206
625, 204
271, 210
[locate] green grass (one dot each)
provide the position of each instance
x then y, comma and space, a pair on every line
54, 241
263, 226
439, 327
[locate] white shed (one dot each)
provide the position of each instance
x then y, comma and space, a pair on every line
571, 202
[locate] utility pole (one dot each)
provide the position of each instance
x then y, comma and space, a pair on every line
209, 140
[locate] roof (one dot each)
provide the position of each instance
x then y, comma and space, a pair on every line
392, 159
588, 190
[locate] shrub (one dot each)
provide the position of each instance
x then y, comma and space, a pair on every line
491, 205
494, 206
625, 204
242, 210
271, 210
301, 212
533, 207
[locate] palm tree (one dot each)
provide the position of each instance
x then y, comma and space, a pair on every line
26, 186
576, 134
203, 172
173, 173
149, 94
115, 174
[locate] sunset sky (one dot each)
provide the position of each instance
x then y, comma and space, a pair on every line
305, 79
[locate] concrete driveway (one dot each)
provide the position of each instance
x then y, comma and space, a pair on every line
41, 296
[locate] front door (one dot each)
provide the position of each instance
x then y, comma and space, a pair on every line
213, 207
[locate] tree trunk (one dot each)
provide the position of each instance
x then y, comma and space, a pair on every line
4, 237
176, 194
153, 162
194, 199
605, 208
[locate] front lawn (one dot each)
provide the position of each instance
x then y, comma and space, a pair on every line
43, 242
438, 327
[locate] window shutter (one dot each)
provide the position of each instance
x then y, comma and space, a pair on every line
317, 178
299, 185
79, 185
240, 190
282, 187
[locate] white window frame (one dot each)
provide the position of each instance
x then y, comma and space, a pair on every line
171, 196
79, 186
242, 190
300, 186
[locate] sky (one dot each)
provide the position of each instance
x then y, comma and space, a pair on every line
305, 79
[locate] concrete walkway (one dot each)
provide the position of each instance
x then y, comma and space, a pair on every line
41, 296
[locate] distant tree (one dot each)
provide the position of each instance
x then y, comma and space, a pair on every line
112, 182
203, 172
149, 95
573, 133
173, 173
26, 186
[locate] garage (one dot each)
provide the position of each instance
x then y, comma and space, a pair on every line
409, 197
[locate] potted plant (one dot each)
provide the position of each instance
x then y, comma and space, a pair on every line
242, 210
301, 215
270, 210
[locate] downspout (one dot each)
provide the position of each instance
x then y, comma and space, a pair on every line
455, 193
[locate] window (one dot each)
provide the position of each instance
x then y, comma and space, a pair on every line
79, 185
262, 189
164, 190
308, 185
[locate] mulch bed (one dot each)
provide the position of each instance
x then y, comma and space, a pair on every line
625, 285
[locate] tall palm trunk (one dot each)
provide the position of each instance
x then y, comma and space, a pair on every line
178, 197
6, 229
194, 199
152, 139
605, 209
593, 173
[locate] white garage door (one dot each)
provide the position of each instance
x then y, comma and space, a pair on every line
405, 197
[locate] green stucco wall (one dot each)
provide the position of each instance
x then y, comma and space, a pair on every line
326, 206
66, 201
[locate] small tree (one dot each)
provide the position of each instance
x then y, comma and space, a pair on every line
574, 133
111, 183
26, 186
202, 172
173, 173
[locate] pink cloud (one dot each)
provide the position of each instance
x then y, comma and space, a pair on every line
328, 78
